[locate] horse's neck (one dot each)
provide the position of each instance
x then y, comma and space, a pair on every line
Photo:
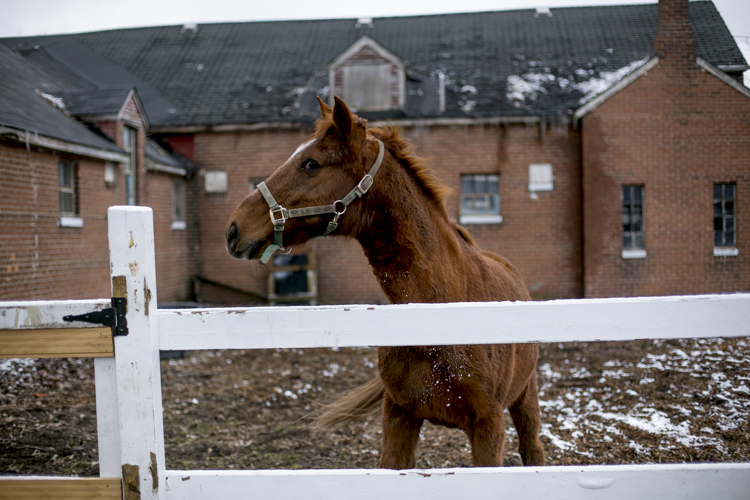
411, 244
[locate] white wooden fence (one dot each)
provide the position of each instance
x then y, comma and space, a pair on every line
128, 385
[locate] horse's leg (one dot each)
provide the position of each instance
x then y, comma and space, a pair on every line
526, 419
487, 437
400, 437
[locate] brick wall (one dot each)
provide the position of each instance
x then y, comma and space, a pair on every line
39, 260
540, 236
676, 131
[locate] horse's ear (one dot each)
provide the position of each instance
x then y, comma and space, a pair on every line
325, 109
342, 117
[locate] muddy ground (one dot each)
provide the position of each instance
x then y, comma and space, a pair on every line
602, 403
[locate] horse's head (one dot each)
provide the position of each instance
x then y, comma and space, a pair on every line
319, 175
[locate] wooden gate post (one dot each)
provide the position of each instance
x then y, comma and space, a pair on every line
136, 363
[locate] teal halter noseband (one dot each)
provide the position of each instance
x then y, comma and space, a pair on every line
279, 214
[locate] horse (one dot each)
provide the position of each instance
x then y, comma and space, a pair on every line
366, 183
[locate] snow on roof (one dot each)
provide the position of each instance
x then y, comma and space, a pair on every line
531, 87
595, 86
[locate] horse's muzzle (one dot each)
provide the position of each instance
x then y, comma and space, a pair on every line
242, 251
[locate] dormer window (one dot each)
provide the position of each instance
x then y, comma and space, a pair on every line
369, 77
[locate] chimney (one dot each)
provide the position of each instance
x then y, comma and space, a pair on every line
674, 42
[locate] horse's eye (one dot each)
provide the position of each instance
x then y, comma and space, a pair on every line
310, 165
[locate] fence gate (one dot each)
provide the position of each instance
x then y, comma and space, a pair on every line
128, 382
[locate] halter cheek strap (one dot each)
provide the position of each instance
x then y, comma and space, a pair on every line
279, 215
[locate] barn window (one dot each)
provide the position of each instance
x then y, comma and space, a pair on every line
129, 144
178, 204
368, 77
67, 174
540, 177
292, 279
633, 244
367, 87
724, 220
480, 199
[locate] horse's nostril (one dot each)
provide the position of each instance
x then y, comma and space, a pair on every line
232, 236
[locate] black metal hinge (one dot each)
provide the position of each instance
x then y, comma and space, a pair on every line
113, 317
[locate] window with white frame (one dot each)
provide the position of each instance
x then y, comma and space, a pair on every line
725, 237
67, 186
633, 241
67, 182
540, 177
178, 204
480, 199
129, 144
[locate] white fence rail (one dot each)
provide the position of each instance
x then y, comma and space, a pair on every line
128, 385
581, 320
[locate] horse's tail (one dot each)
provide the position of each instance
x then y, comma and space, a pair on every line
351, 406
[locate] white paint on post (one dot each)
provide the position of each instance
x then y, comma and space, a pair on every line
107, 418
579, 320
141, 428
665, 482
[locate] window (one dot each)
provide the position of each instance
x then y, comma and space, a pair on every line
129, 144
368, 77
540, 177
292, 279
724, 220
67, 180
178, 204
368, 87
633, 245
480, 199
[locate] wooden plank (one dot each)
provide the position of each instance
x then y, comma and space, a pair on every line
578, 320
47, 313
57, 343
665, 482
59, 488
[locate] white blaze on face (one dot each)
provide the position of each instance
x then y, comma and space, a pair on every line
300, 149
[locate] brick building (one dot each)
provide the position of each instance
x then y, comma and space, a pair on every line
601, 155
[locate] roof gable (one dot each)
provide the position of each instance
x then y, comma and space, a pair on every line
365, 49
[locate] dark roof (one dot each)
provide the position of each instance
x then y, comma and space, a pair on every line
495, 63
160, 154
92, 84
95, 102
23, 105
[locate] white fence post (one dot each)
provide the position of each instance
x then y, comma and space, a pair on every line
137, 372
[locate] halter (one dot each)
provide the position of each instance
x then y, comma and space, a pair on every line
279, 214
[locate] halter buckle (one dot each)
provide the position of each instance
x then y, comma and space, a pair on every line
365, 184
278, 210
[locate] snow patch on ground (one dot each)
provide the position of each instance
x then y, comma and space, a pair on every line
590, 408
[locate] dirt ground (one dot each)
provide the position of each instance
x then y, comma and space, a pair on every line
602, 403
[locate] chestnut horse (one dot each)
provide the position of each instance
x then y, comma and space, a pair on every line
397, 212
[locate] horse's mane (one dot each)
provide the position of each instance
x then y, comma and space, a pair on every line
403, 151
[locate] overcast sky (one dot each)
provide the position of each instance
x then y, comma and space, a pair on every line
48, 17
